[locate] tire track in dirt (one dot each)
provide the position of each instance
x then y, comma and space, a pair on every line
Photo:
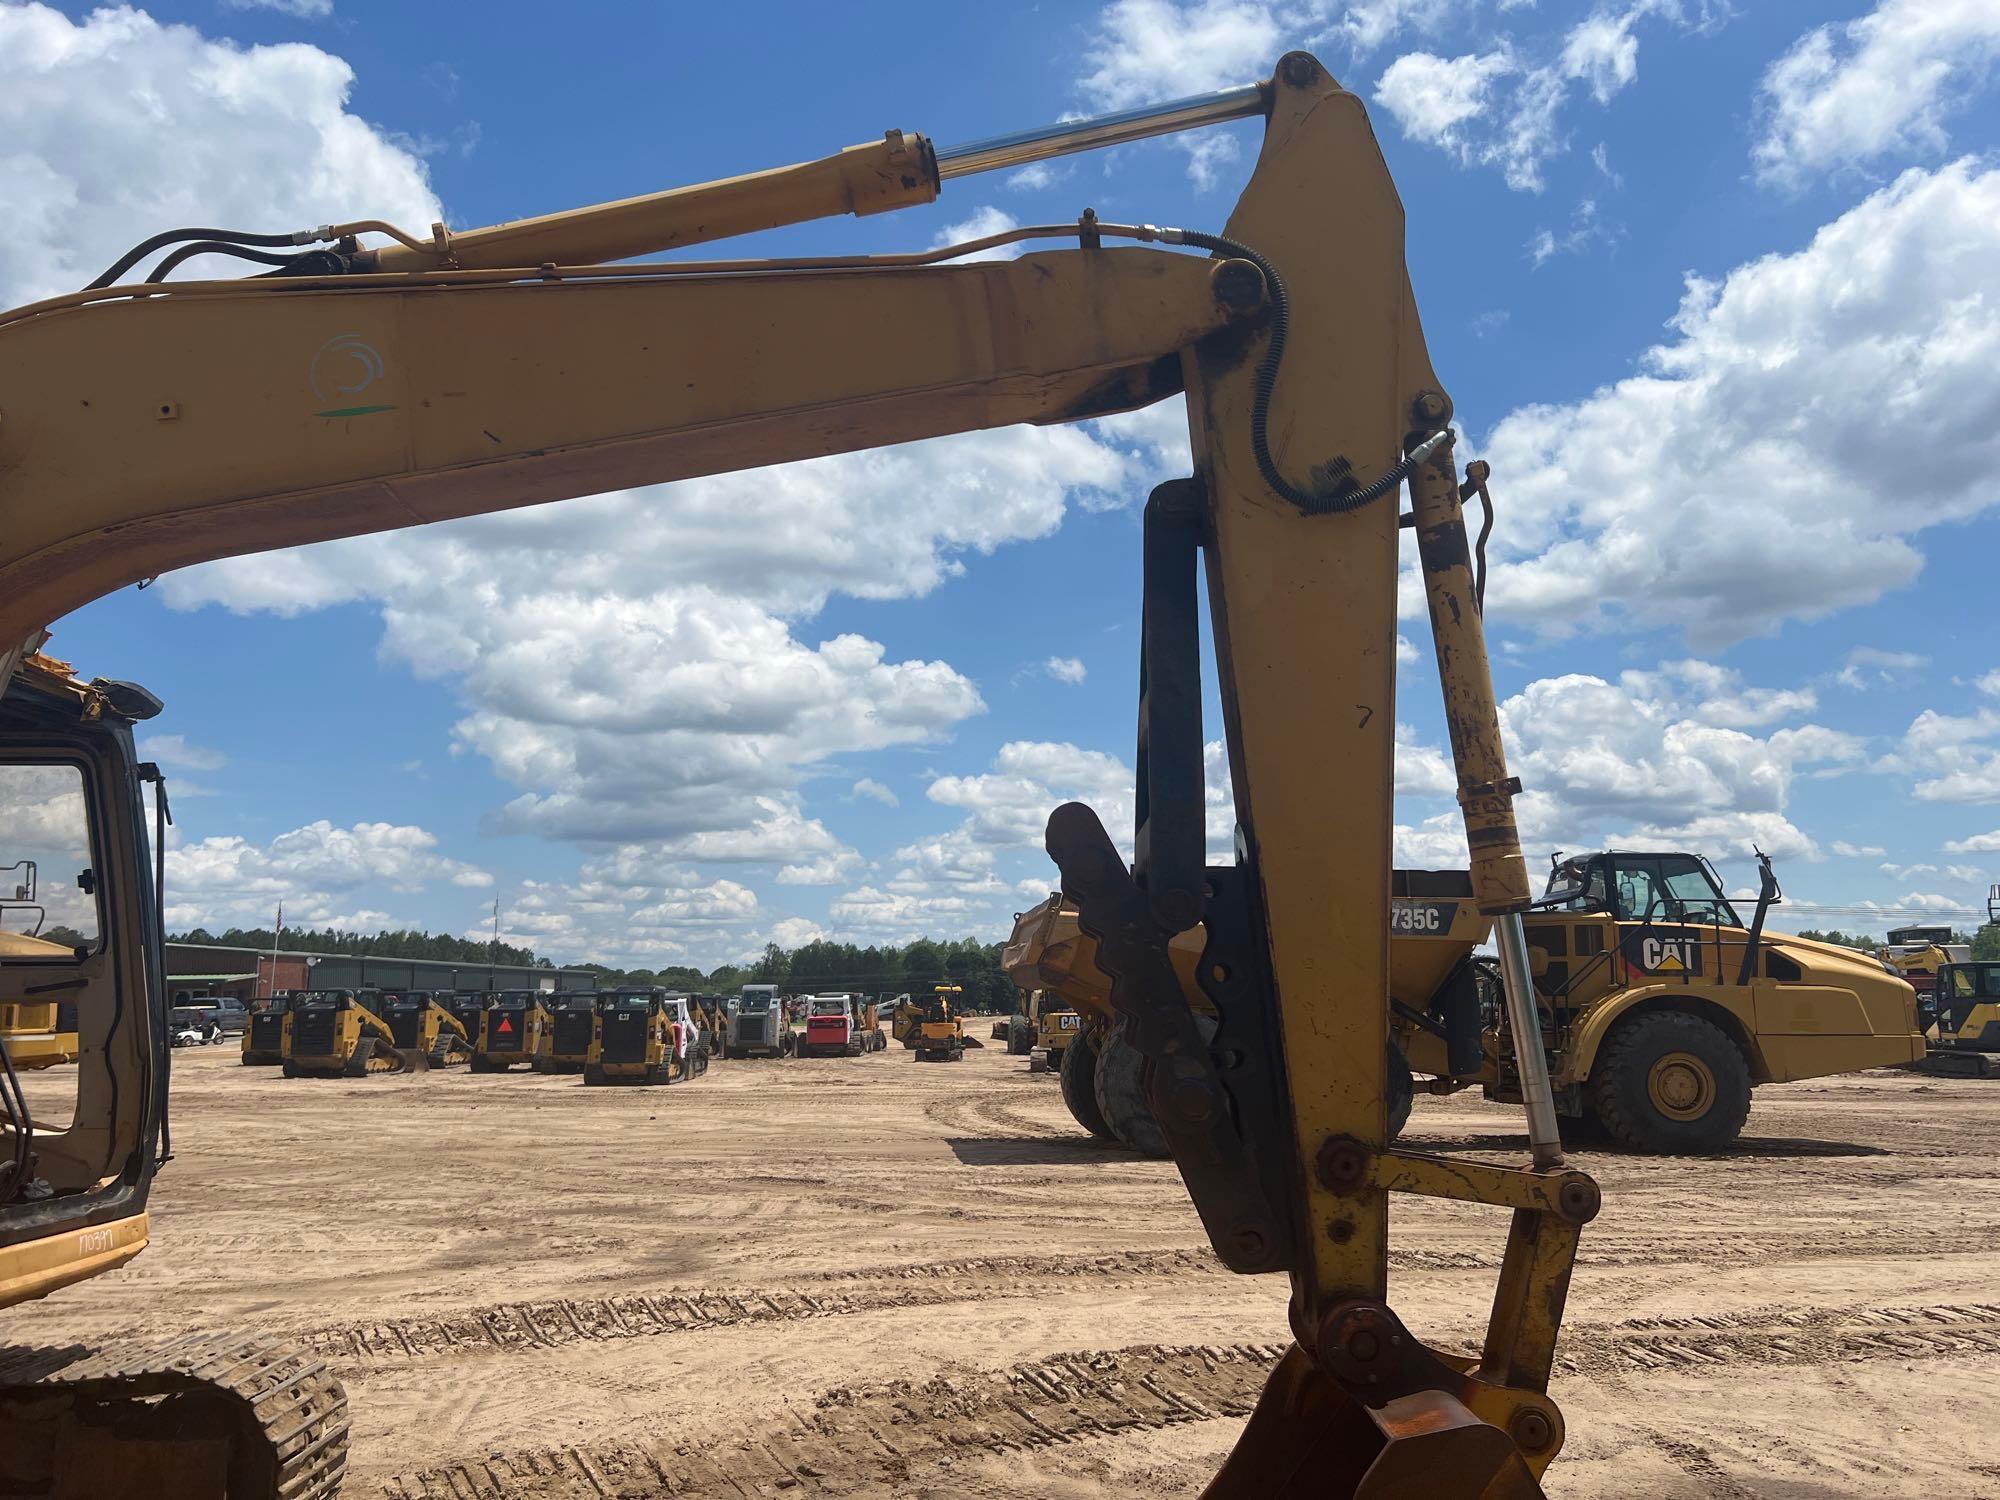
515, 1327
877, 1434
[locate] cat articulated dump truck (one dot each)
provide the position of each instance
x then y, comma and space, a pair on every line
264, 1034
760, 1026
1660, 1008
426, 1029
571, 1034
639, 1039
340, 1034
512, 1027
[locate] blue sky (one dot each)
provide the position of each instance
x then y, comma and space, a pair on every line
1716, 287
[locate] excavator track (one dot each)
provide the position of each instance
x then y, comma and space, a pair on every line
204, 1417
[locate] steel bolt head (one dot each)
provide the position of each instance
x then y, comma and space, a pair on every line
1300, 70
1531, 1430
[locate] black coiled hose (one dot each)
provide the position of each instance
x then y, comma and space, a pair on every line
1309, 501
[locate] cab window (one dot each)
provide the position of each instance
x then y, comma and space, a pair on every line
48, 881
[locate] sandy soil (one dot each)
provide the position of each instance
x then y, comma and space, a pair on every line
872, 1277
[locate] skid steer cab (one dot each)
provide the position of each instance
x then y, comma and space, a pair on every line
341, 1034
264, 1034
571, 1034
840, 1025
511, 1027
639, 1038
760, 1025
1965, 1024
423, 1025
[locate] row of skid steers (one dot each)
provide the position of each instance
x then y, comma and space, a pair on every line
638, 1035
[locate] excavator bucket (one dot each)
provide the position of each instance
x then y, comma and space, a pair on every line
1308, 1438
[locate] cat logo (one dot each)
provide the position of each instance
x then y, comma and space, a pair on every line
1664, 952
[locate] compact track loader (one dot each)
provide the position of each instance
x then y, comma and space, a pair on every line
369, 378
423, 1026
341, 1034
513, 1027
638, 1039
266, 1032
571, 1034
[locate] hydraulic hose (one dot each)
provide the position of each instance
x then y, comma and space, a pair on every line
1311, 502
146, 247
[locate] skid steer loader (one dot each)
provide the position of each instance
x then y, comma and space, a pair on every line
513, 1026
638, 1040
265, 1033
571, 1033
340, 1034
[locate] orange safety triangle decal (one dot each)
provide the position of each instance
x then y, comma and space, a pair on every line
506, 1025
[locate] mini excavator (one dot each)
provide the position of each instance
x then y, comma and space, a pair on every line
367, 377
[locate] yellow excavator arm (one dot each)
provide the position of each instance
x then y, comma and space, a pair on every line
153, 426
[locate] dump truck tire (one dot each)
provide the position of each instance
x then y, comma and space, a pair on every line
1666, 1082
1400, 1092
1079, 1088
1121, 1097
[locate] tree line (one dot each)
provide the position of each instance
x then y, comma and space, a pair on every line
1985, 943
819, 965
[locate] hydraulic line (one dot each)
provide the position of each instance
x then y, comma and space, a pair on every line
146, 247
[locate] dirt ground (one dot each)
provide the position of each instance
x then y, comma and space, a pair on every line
872, 1277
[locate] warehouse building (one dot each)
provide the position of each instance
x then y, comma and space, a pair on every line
246, 974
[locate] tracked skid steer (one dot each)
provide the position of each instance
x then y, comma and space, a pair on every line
340, 1034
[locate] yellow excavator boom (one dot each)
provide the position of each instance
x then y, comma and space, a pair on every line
153, 426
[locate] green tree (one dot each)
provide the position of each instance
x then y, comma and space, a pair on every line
1986, 942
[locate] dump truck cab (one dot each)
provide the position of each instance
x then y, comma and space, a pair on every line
640, 1036
264, 1037
571, 1033
761, 1024
512, 1027
340, 1033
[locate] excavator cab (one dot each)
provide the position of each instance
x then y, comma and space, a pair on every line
1967, 1021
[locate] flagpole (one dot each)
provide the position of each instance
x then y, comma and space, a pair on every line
277, 931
